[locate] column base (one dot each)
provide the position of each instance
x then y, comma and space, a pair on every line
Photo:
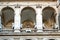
58, 30
39, 30
16, 30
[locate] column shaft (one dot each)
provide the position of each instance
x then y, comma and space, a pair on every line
0, 24
17, 22
39, 20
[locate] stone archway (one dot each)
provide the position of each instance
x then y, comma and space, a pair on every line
28, 17
49, 17
7, 17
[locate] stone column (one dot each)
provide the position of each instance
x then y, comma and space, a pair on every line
0, 24
17, 19
39, 20
56, 14
58, 2
57, 24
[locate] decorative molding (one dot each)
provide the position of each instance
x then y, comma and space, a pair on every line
25, 0
39, 6
17, 6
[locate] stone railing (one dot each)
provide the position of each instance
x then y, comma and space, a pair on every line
7, 30
28, 30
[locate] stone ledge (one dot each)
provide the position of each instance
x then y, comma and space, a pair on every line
30, 34
25, 0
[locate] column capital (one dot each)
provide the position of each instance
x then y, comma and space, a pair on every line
17, 11
38, 11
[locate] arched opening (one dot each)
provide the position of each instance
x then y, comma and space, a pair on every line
28, 17
49, 17
7, 17
51, 39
